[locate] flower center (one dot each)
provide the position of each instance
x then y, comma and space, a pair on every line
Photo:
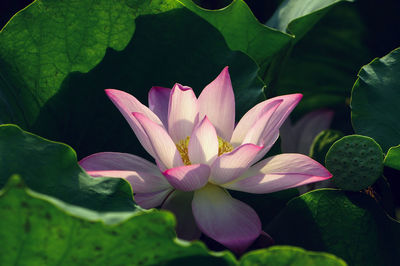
182, 146
223, 146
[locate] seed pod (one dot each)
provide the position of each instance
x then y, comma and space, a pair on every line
355, 161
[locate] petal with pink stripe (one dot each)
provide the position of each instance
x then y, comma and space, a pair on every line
143, 175
162, 144
217, 101
230, 166
182, 112
264, 109
280, 172
127, 104
117, 161
257, 130
188, 177
203, 143
288, 102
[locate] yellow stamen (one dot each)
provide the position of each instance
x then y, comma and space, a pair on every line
182, 146
223, 146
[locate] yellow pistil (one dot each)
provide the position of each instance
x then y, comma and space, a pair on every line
182, 146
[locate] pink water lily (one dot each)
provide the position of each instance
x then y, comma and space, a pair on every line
200, 153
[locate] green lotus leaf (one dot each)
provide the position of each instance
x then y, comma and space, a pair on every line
286, 255
392, 158
51, 168
298, 16
349, 225
38, 232
242, 31
374, 106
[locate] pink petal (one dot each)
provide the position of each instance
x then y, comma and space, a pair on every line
143, 176
285, 108
188, 177
162, 144
182, 112
230, 166
153, 199
203, 143
180, 204
117, 161
274, 122
257, 131
217, 101
141, 182
225, 219
273, 137
158, 103
280, 172
264, 109
308, 127
127, 104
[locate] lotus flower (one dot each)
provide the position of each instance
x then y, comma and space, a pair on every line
200, 153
